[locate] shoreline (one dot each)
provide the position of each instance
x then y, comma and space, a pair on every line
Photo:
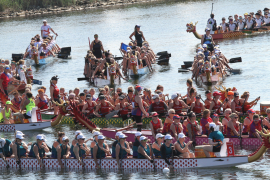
81, 5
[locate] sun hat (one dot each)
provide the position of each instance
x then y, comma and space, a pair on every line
77, 132
159, 135
168, 137
96, 133
138, 134
81, 136
101, 137
181, 135
142, 138
122, 136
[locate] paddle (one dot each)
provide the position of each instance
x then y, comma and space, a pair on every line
212, 8
234, 71
183, 70
89, 43
82, 79
172, 156
81, 156
235, 60
153, 157
5, 159
15, 89
38, 82
240, 135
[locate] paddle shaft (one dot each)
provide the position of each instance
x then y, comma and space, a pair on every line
212, 8
244, 104
89, 43
153, 157
240, 135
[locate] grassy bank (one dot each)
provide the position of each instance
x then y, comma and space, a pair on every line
17, 5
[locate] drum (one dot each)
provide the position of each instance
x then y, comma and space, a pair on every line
17, 118
200, 154
263, 106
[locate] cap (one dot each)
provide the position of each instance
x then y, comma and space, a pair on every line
265, 9
81, 136
207, 29
2, 142
204, 45
213, 125
88, 96
259, 11
101, 97
138, 88
159, 135
54, 78
251, 111
137, 25
19, 136
138, 134
155, 114
7, 67
118, 134
77, 133
230, 93
236, 94
176, 117
213, 57
39, 137
207, 92
155, 96
257, 14
44, 20
20, 132
101, 137
198, 96
9, 102
181, 135
223, 18
230, 17
64, 138
96, 133
215, 115
168, 136
216, 93
142, 138
251, 13
174, 96
246, 14
122, 136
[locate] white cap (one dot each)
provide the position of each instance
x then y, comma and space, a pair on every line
118, 134
174, 96
168, 136
96, 133
212, 125
138, 134
142, 138
39, 137
77, 132
20, 132
159, 135
213, 57
81, 136
2, 142
101, 137
19, 136
64, 138
231, 18
122, 136
181, 135
204, 45
155, 96
44, 20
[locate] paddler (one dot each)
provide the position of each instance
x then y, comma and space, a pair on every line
42, 101
122, 149
144, 150
45, 30
233, 126
181, 147
57, 143
266, 18
266, 123
94, 142
236, 104
115, 143
216, 104
63, 151
241, 24
5, 78
157, 144
266, 10
27, 105
228, 100
156, 125
158, 106
74, 142
6, 116
38, 149
80, 149
255, 124
5, 148
168, 121
177, 104
138, 109
232, 26
247, 121
104, 107
89, 107
123, 107
205, 121
138, 35
208, 99
136, 144
100, 150
167, 150
54, 93
211, 23
197, 106
258, 20
215, 118
19, 148
193, 127
16, 101
244, 100
82, 101
176, 127
250, 22
96, 47
224, 25
226, 119
208, 40
215, 140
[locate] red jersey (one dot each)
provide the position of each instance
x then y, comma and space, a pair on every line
104, 109
177, 108
156, 125
5, 79
197, 108
90, 108
55, 91
216, 107
238, 107
124, 110
43, 104
159, 108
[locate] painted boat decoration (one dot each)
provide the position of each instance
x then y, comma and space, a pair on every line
110, 133
25, 126
130, 163
192, 28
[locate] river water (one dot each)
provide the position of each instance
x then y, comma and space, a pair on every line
164, 27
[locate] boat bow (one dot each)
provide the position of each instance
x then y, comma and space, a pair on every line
192, 28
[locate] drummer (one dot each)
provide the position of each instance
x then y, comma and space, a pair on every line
97, 47
100, 150
215, 140
63, 151
6, 114
122, 149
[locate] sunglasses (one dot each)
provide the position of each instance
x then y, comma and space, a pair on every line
172, 113
161, 137
66, 140
118, 91
144, 140
155, 116
235, 117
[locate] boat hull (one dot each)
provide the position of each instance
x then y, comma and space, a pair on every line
141, 72
110, 132
214, 79
130, 163
24, 127
98, 82
43, 61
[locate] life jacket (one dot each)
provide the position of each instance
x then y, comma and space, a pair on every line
217, 105
159, 108
124, 111
156, 125
230, 132
177, 108
197, 108
238, 107
246, 127
193, 129
104, 109
90, 108
207, 39
177, 129
55, 91
43, 104
166, 128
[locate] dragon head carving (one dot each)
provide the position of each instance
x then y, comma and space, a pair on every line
191, 27
265, 136
62, 106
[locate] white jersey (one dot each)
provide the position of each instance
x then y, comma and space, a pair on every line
245, 20
224, 26
37, 43
241, 25
46, 30
249, 24
266, 20
232, 27
259, 22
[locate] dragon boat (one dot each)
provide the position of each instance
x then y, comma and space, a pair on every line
217, 161
191, 28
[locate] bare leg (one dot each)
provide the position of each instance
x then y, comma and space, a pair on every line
207, 149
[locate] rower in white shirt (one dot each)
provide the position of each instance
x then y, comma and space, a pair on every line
250, 23
232, 25
241, 24
258, 20
245, 17
45, 30
224, 25
266, 18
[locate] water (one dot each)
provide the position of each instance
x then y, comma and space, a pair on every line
164, 27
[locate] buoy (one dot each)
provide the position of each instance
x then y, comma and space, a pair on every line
166, 170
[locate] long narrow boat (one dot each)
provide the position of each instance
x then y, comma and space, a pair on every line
192, 28
110, 133
25, 127
130, 163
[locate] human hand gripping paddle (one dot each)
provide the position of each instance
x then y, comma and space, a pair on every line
153, 157
172, 156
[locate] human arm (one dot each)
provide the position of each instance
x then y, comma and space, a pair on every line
141, 151
139, 101
130, 37
38, 155
230, 125
95, 156
117, 150
152, 130
210, 141
143, 36
163, 154
59, 150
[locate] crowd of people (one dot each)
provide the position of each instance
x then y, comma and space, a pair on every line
236, 23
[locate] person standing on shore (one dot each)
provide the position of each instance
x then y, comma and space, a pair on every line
138, 35
45, 30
